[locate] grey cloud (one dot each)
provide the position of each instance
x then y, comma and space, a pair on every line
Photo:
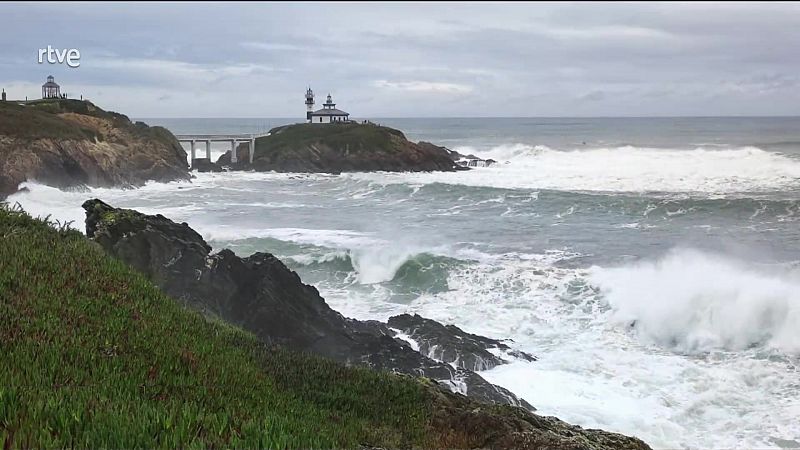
428, 59
594, 96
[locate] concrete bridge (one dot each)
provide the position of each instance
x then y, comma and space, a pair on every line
234, 139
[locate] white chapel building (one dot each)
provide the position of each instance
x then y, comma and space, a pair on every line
328, 113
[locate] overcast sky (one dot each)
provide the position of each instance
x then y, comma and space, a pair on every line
415, 59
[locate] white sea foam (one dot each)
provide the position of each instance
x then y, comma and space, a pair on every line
309, 259
41, 200
696, 302
594, 371
320, 237
622, 169
399, 334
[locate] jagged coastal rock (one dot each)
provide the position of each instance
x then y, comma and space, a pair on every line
450, 344
69, 143
260, 294
341, 147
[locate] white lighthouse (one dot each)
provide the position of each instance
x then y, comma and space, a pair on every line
309, 103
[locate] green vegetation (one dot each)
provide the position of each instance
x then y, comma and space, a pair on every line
354, 137
38, 122
95, 356
56, 106
38, 119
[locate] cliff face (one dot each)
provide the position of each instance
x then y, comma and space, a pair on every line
67, 143
342, 147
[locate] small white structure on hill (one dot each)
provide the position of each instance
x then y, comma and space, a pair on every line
51, 89
328, 113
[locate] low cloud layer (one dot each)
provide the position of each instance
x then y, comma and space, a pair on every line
421, 59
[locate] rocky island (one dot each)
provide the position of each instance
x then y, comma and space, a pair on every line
68, 143
340, 147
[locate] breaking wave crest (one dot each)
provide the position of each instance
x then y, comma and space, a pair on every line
696, 302
403, 269
621, 169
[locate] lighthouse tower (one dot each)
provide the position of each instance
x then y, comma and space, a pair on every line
309, 103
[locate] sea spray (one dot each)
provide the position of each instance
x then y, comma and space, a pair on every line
692, 301
379, 264
622, 169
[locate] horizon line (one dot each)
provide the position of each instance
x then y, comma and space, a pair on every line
777, 116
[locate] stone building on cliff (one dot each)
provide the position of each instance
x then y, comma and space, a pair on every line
328, 113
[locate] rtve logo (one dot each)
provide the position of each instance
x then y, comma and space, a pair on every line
72, 57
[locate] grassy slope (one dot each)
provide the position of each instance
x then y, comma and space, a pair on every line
95, 356
353, 136
40, 119
35, 122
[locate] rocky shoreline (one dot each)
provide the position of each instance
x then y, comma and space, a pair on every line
261, 295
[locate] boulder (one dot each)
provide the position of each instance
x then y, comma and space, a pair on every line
450, 344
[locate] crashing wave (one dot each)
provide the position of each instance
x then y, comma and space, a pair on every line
694, 302
403, 269
710, 171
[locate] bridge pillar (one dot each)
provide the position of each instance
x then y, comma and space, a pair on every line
252, 149
191, 150
208, 151
234, 156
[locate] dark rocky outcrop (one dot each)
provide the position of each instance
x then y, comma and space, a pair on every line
205, 165
242, 157
68, 143
344, 147
450, 344
466, 161
260, 294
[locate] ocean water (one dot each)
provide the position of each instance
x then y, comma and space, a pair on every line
653, 265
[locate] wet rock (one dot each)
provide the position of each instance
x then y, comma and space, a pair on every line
205, 165
450, 344
242, 157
